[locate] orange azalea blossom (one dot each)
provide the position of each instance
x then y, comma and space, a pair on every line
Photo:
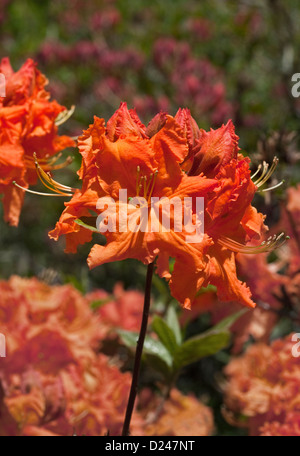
27, 126
178, 415
290, 427
262, 391
122, 309
53, 380
170, 158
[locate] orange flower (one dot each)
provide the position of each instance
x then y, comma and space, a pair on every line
27, 126
290, 427
263, 391
53, 380
180, 415
170, 158
123, 309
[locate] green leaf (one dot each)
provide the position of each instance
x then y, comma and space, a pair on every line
155, 347
173, 323
165, 334
227, 322
159, 365
129, 338
198, 347
100, 302
151, 346
68, 278
209, 288
85, 225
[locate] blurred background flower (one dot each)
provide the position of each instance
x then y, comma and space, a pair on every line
262, 393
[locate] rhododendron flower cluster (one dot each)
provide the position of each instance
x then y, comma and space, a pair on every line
275, 285
53, 381
123, 309
263, 391
196, 82
180, 415
165, 73
171, 157
290, 427
27, 126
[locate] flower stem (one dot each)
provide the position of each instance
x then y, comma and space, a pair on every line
139, 351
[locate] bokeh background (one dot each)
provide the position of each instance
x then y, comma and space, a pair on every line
221, 59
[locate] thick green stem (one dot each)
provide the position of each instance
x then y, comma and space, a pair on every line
139, 351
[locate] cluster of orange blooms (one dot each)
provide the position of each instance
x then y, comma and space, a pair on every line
27, 126
263, 391
54, 379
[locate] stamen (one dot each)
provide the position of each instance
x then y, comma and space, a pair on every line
140, 188
50, 183
145, 183
67, 162
266, 172
34, 192
152, 186
64, 116
272, 243
273, 187
149, 182
47, 164
257, 171
137, 185
60, 186
145, 186
265, 167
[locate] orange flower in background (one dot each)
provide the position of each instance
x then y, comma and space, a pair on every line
121, 309
290, 427
27, 126
290, 223
263, 390
53, 380
180, 415
170, 158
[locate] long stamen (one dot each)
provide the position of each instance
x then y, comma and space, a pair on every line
257, 171
50, 183
64, 116
53, 189
137, 185
265, 175
272, 243
34, 192
273, 187
67, 162
148, 185
145, 183
265, 167
145, 186
56, 184
47, 164
142, 184
153, 184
